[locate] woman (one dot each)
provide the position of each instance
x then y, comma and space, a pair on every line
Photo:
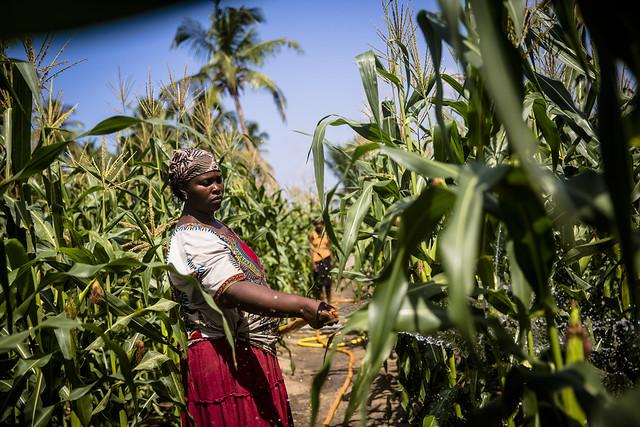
321, 258
217, 392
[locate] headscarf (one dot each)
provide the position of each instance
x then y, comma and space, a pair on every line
186, 164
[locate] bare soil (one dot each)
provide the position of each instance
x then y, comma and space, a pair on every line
383, 407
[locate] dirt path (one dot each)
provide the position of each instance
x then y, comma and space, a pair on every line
383, 403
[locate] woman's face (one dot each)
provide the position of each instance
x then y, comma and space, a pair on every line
204, 192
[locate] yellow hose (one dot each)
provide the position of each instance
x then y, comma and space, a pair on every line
317, 341
337, 300
320, 341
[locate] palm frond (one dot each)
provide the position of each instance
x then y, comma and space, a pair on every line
260, 81
257, 54
195, 36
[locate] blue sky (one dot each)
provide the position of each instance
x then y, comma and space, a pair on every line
323, 80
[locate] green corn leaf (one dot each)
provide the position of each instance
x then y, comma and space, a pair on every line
614, 139
549, 130
39, 160
7, 130
455, 85
440, 153
112, 124
557, 92
24, 365
459, 250
78, 255
79, 392
173, 383
134, 322
82, 408
353, 220
60, 321
387, 75
44, 230
161, 306
30, 75
417, 223
519, 286
368, 131
367, 65
66, 343
591, 200
516, 9
622, 411
317, 148
503, 79
554, 41
414, 314
20, 143
84, 271
121, 355
35, 400
13, 394
43, 416
566, 15
430, 421
151, 360
531, 230
420, 165
9, 342
435, 30
84, 194
580, 251
102, 405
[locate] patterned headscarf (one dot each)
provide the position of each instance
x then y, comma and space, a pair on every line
186, 164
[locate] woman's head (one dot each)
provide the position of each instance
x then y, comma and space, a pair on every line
195, 178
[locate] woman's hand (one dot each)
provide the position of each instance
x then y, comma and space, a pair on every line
320, 314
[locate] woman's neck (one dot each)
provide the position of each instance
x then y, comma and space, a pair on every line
189, 214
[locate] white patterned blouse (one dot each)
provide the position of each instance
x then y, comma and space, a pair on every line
217, 259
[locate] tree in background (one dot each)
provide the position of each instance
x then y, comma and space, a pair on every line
233, 52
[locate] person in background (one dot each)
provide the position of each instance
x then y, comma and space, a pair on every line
321, 259
220, 390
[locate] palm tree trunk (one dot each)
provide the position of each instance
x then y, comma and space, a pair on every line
263, 168
239, 112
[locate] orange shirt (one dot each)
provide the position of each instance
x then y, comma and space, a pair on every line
319, 246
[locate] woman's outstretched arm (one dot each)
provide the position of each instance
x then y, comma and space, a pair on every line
257, 299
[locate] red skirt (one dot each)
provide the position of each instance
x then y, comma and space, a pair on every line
218, 394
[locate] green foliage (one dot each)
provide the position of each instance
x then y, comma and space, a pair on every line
535, 209
88, 332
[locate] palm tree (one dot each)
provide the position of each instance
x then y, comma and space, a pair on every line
232, 52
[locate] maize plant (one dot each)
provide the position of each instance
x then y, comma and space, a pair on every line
493, 213
89, 334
